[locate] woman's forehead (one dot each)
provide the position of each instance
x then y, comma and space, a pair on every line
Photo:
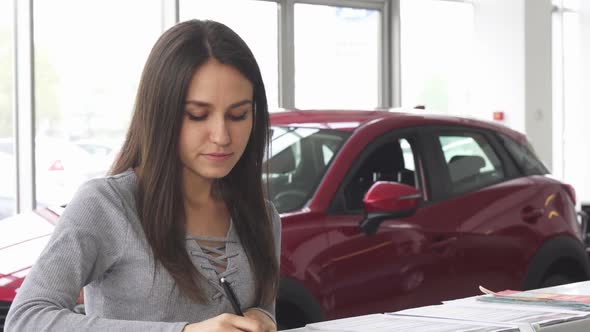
214, 82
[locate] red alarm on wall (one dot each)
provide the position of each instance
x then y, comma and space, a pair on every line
498, 115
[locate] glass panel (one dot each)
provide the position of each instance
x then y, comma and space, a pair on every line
386, 162
408, 155
471, 160
7, 156
294, 171
571, 4
567, 4
524, 156
336, 57
260, 33
436, 54
88, 61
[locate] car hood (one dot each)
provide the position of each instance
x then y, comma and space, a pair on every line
22, 238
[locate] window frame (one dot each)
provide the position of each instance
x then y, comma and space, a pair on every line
502, 138
389, 70
313, 149
411, 135
444, 189
389, 61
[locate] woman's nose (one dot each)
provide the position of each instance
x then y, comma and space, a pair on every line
220, 132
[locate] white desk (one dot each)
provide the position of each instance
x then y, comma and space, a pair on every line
579, 288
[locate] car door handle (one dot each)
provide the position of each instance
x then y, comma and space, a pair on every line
532, 215
442, 244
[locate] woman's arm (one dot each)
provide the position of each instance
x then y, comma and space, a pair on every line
87, 241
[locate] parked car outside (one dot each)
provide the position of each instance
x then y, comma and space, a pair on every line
61, 167
385, 210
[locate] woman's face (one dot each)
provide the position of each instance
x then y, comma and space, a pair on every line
217, 121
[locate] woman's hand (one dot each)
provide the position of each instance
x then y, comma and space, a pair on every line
230, 323
266, 323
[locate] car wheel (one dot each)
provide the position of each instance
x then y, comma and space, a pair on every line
556, 280
289, 316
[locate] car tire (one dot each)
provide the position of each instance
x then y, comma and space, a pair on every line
296, 306
556, 280
559, 259
289, 317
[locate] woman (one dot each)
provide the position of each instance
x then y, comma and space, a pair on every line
183, 207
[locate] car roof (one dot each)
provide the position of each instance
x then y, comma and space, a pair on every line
350, 120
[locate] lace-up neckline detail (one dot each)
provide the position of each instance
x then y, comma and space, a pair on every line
215, 257
215, 254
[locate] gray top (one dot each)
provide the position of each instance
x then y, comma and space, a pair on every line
99, 244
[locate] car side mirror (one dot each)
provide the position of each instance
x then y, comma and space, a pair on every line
388, 200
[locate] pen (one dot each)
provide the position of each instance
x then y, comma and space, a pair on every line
231, 296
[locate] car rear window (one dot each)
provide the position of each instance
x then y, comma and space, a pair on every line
471, 161
524, 156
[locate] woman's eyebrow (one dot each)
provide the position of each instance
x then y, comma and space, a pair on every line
240, 103
231, 106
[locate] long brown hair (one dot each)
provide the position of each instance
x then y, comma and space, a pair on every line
151, 147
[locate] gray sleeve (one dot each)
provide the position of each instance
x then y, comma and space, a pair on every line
86, 242
276, 224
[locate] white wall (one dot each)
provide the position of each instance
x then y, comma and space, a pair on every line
513, 67
514, 74
499, 65
538, 78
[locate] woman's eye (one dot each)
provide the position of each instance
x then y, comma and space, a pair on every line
196, 117
239, 117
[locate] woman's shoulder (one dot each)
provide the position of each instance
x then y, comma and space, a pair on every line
104, 196
107, 186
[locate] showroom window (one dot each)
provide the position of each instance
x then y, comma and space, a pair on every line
336, 57
436, 54
87, 69
260, 33
7, 155
78, 90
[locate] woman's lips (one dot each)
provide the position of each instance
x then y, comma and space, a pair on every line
217, 156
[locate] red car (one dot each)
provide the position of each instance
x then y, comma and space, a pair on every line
384, 210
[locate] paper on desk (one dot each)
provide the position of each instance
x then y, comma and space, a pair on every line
540, 303
393, 322
536, 295
537, 298
485, 312
519, 305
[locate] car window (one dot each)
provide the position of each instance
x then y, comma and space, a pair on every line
524, 156
327, 154
408, 154
388, 161
471, 161
299, 159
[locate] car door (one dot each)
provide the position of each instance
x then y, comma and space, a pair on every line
406, 263
488, 206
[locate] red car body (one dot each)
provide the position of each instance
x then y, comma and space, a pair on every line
471, 206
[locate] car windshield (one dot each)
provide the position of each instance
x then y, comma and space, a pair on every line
299, 158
